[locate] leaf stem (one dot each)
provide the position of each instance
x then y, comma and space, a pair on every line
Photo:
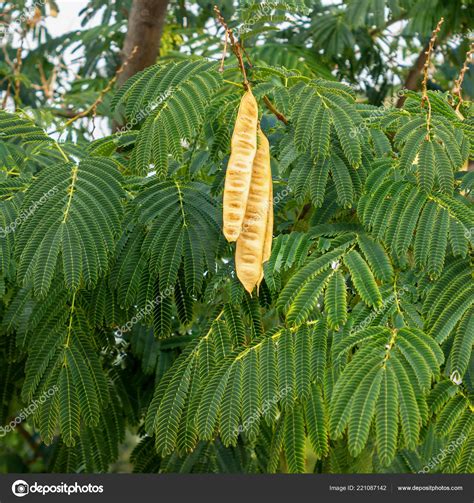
425, 98
66, 158
69, 328
75, 169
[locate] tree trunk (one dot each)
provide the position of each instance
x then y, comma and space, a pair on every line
411, 82
145, 27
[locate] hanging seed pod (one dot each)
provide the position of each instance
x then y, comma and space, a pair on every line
251, 242
267, 246
239, 169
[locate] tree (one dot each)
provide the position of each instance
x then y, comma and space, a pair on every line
120, 307
145, 27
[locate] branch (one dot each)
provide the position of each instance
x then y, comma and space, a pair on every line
458, 82
145, 27
424, 84
63, 112
422, 64
238, 49
377, 31
17, 72
98, 101
274, 111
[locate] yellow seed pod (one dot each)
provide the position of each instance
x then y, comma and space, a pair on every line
267, 247
239, 169
251, 242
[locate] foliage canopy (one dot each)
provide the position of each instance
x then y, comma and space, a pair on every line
118, 290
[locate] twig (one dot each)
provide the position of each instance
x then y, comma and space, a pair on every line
46, 84
424, 84
98, 101
238, 49
18, 65
458, 82
63, 112
274, 111
61, 151
246, 55
302, 215
224, 53
376, 31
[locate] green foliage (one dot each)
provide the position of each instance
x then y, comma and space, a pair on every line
75, 227
119, 298
173, 98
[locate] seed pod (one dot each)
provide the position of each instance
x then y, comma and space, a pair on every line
267, 247
250, 244
239, 169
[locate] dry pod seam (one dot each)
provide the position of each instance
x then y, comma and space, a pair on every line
239, 169
252, 247
267, 247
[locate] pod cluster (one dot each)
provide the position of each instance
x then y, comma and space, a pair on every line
248, 195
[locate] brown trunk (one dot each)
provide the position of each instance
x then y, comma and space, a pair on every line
411, 82
145, 27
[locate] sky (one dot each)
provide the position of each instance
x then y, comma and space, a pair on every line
68, 17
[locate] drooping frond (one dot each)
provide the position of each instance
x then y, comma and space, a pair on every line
20, 128
171, 99
388, 375
230, 389
63, 372
72, 216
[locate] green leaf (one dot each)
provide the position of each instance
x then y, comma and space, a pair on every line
363, 279
335, 302
386, 418
294, 440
